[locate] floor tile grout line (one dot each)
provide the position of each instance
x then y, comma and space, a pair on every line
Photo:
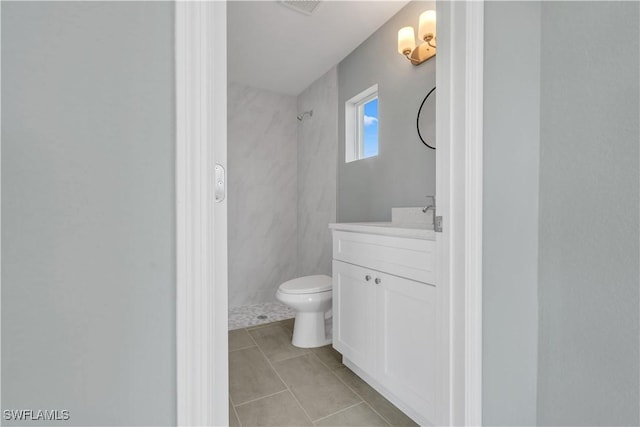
254, 341
306, 351
328, 367
324, 364
241, 348
363, 399
337, 412
285, 383
360, 396
233, 407
292, 357
377, 413
346, 385
332, 370
235, 411
352, 389
260, 398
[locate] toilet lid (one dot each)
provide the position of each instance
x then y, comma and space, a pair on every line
307, 285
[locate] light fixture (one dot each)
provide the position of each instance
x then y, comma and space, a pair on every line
426, 32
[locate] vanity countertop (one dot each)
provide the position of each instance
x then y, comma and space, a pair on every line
397, 229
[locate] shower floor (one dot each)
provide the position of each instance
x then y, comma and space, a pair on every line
258, 314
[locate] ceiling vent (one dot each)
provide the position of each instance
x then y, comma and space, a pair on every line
306, 7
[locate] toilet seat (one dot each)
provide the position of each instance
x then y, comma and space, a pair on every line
307, 285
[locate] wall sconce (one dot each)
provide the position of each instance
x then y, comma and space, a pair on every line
426, 31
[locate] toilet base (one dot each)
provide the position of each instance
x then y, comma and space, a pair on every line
309, 331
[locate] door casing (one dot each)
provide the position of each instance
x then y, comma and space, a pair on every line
201, 143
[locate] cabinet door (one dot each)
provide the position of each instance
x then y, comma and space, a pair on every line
353, 314
406, 337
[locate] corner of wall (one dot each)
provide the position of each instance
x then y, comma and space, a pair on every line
317, 164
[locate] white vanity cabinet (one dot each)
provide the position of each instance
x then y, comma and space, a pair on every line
354, 308
384, 315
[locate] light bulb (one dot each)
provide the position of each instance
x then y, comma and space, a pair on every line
406, 40
427, 26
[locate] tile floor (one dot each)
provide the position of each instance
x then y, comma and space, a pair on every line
273, 383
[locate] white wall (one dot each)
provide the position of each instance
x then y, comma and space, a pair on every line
88, 221
262, 163
589, 209
510, 229
317, 162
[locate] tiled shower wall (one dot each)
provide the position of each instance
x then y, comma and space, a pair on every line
317, 163
262, 193
281, 185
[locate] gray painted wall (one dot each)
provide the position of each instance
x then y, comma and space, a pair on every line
404, 171
510, 229
589, 188
88, 223
263, 193
317, 163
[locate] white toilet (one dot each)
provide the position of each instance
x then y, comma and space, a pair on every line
311, 297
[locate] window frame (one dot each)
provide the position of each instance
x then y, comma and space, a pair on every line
354, 124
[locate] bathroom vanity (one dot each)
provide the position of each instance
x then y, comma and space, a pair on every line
384, 310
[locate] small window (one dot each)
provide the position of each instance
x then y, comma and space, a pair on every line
361, 125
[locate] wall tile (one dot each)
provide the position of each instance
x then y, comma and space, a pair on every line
317, 163
282, 187
263, 192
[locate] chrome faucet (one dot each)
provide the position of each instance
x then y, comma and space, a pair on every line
431, 207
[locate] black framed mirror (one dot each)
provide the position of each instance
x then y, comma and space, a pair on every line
426, 120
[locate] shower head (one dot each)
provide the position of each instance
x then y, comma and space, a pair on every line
301, 116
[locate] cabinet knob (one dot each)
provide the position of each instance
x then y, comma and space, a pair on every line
378, 280
367, 277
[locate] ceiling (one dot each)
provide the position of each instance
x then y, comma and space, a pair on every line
275, 48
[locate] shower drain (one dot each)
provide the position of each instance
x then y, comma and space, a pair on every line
262, 317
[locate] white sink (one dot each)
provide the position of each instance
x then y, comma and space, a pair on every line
405, 222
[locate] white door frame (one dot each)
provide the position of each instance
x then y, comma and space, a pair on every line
474, 145
459, 120
201, 288
201, 244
